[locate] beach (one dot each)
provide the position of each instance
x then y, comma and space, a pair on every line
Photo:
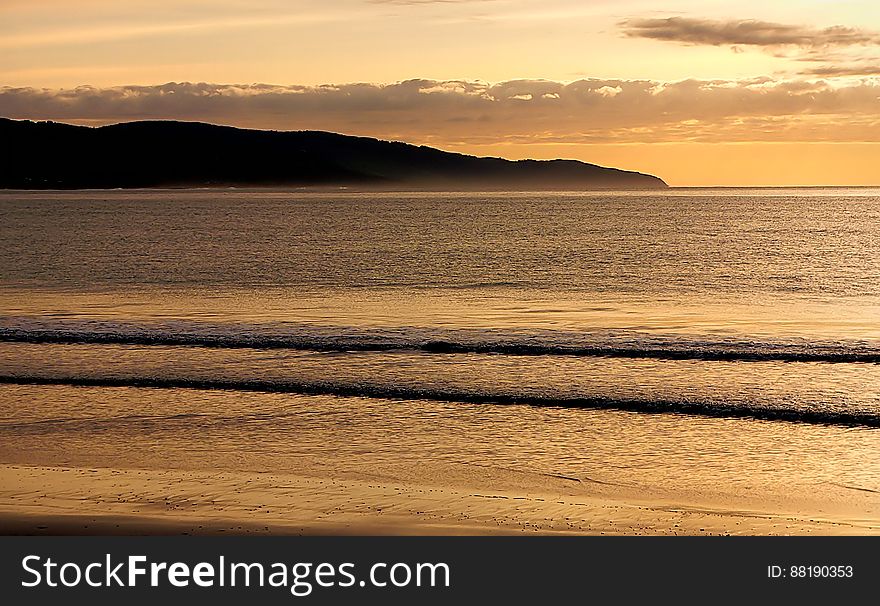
369, 363
80, 501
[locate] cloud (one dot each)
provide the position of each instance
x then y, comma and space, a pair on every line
834, 71
115, 32
764, 34
466, 112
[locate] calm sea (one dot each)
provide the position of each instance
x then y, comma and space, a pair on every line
720, 342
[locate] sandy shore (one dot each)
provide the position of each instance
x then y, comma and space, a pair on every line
58, 500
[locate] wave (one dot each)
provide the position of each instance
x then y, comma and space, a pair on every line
684, 407
522, 345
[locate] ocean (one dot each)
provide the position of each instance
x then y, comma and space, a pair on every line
723, 343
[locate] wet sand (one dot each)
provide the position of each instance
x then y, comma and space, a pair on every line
82, 501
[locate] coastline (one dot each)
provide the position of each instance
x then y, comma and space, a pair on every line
38, 500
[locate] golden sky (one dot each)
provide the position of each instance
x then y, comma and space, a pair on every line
698, 92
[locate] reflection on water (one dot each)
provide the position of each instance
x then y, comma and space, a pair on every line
846, 394
710, 302
708, 458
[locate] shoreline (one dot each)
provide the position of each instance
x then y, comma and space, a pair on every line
37, 500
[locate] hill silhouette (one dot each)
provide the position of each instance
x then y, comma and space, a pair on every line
52, 155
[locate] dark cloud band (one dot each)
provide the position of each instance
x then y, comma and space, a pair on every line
520, 111
686, 30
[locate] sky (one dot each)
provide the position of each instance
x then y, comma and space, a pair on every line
704, 92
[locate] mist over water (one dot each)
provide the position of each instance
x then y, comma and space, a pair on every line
756, 308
